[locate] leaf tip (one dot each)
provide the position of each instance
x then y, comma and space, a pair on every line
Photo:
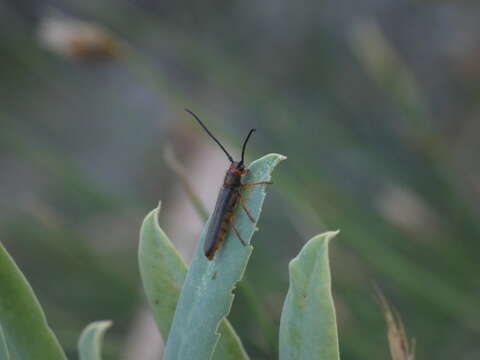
329, 235
106, 323
274, 156
157, 211
325, 237
318, 241
101, 324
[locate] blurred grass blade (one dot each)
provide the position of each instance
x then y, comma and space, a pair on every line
207, 296
182, 174
24, 325
90, 342
400, 347
163, 272
384, 65
308, 327
3, 347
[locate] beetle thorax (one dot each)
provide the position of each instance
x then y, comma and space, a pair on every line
234, 175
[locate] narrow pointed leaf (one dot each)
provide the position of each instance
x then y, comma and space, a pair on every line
90, 341
163, 272
25, 329
308, 327
206, 296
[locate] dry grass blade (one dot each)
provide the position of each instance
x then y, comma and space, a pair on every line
400, 347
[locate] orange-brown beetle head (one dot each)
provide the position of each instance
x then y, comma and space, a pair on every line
237, 168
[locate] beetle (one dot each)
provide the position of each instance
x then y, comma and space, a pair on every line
223, 217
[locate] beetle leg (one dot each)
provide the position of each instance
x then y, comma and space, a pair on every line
256, 183
242, 205
232, 222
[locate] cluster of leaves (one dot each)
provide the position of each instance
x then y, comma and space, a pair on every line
199, 325
366, 112
190, 306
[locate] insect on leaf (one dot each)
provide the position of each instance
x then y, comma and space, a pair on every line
163, 272
206, 295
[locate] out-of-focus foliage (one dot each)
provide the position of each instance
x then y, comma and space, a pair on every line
375, 103
90, 342
401, 347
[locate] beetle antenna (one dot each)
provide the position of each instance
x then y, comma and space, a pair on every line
211, 135
245, 145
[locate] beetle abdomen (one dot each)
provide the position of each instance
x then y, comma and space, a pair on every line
220, 222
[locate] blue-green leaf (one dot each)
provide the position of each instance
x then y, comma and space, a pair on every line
206, 295
163, 273
25, 329
3, 347
308, 327
90, 341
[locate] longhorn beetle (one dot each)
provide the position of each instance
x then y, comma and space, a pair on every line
223, 216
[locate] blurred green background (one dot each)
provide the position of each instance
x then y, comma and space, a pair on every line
376, 104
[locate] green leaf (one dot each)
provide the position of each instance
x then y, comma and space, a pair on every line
3, 347
25, 329
163, 273
308, 328
90, 341
206, 296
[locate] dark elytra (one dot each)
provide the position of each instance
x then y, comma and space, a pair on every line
223, 218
